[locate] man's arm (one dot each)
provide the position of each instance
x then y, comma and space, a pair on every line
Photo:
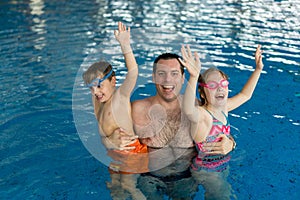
224, 146
119, 140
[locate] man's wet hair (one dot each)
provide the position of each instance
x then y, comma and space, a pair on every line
168, 56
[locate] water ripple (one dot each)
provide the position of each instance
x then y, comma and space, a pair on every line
44, 42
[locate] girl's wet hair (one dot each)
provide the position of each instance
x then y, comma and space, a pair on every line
167, 56
97, 69
203, 78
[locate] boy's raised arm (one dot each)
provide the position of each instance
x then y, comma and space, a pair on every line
123, 37
250, 85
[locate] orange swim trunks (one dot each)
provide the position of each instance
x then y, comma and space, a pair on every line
133, 161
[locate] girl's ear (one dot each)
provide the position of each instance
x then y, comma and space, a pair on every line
203, 96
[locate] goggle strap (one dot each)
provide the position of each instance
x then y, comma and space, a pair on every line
100, 80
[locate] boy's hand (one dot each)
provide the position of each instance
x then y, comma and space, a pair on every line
192, 63
123, 37
258, 58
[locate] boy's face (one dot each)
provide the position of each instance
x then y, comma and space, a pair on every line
105, 90
168, 79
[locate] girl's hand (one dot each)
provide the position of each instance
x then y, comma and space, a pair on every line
258, 58
192, 63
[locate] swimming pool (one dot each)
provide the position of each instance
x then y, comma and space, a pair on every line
45, 43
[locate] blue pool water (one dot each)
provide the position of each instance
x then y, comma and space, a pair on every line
45, 45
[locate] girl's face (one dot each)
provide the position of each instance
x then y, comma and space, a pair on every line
216, 89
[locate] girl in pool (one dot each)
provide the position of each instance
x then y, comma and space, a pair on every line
209, 119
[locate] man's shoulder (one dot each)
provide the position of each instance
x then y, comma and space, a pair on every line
143, 102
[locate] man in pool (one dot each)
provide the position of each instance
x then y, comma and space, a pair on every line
164, 128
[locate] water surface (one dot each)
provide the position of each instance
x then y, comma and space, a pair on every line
46, 44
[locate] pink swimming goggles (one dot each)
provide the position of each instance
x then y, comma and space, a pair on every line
214, 85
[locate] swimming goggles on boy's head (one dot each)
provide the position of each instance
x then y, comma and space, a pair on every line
97, 81
214, 85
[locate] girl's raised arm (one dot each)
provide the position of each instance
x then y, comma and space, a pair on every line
250, 85
193, 65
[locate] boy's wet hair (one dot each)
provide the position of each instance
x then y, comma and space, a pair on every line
97, 69
202, 79
167, 56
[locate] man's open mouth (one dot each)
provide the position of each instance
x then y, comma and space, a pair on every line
168, 88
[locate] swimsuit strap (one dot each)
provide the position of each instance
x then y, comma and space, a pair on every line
210, 113
227, 121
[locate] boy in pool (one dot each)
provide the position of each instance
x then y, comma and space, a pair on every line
210, 119
112, 109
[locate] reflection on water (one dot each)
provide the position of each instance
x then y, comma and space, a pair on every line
37, 7
44, 42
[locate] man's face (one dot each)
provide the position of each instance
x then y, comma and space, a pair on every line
168, 79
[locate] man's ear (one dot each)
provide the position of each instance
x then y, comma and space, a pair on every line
183, 78
153, 78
